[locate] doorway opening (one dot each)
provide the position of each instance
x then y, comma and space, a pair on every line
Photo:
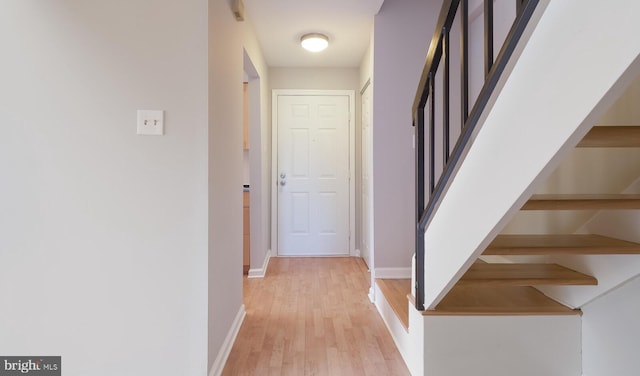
257, 173
313, 211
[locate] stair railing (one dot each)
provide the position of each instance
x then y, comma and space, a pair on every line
439, 57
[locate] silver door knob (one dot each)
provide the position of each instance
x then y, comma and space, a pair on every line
283, 175
283, 182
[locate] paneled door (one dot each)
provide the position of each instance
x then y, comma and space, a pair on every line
313, 175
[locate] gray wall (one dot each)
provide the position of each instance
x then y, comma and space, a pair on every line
314, 78
402, 32
225, 175
107, 238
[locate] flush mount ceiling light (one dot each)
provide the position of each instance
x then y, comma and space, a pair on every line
314, 42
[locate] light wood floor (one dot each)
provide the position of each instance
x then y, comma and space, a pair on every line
312, 316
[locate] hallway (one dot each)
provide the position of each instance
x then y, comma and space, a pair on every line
312, 316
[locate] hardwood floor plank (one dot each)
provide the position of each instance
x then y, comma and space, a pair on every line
312, 316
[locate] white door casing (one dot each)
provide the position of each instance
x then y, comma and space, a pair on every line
313, 167
367, 176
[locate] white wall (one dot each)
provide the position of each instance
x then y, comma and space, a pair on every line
402, 32
502, 345
103, 233
610, 333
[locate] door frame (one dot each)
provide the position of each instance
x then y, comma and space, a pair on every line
274, 159
366, 163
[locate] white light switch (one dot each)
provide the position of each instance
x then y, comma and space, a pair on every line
151, 122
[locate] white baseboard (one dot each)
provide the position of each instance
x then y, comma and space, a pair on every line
260, 273
393, 273
357, 253
371, 294
225, 350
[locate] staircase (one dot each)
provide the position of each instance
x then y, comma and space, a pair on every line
485, 302
506, 288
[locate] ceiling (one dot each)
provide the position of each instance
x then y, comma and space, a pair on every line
279, 24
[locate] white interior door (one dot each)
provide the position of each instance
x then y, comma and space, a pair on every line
313, 175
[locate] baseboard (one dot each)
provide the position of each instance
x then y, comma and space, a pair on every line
260, 273
225, 350
357, 253
393, 273
372, 295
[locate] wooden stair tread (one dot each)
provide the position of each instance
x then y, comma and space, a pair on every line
582, 202
611, 136
498, 300
560, 244
395, 291
504, 289
485, 274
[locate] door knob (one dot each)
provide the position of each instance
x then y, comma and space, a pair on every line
283, 182
283, 175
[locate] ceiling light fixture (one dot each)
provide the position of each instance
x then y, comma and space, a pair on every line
314, 42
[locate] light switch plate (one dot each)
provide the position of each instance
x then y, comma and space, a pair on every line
151, 122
